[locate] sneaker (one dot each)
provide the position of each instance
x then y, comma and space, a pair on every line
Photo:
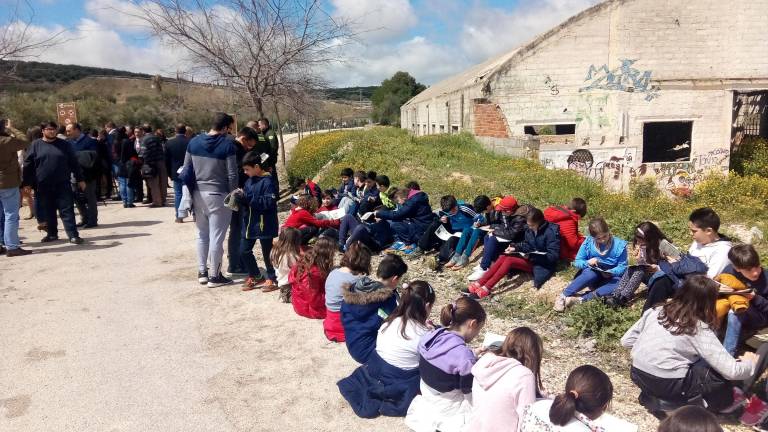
461, 262
452, 262
477, 273
16, 252
739, 400
268, 286
202, 277
410, 249
48, 239
482, 292
414, 253
559, 304
179, 220
755, 412
572, 301
76, 240
219, 280
3, 250
396, 246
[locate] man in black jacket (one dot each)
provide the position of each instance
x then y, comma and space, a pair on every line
175, 150
273, 145
85, 149
49, 164
153, 170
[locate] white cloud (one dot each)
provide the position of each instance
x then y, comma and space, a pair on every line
91, 43
119, 14
491, 31
377, 20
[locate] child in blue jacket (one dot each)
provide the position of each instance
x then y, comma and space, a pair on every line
455, 217
410, 219
473, 234
258, 207
602, 260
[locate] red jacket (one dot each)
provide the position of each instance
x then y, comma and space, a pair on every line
332, 326
570, 236
299, 218
308, 292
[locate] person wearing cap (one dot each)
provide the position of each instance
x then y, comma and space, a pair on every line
507, 224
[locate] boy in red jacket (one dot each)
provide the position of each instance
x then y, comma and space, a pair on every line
303, 218
567, 217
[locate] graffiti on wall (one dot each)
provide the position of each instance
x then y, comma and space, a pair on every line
592, 110
624, 78
551, 85
616, 167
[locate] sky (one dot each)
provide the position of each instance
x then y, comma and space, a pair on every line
430, 39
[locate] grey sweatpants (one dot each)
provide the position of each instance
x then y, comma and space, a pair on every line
212, 221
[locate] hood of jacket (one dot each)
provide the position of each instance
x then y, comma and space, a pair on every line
210, 142
417, 195
366, 291
491, 368
558, 214
439, 348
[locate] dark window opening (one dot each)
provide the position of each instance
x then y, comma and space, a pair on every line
667, 141
454, 129
556, 129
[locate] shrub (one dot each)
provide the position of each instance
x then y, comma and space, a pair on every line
644, 188
311, 153
607, 325
751, 157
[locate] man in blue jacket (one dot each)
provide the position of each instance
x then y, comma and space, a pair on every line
410, 219
213, 157
175, 150
85, 149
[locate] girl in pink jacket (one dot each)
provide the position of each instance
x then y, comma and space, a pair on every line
506, 382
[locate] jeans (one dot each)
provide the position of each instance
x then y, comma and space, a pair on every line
469, 238
177, 184
599, 285
348, 225
406, 231
89, 213
491, 250
249, 259
59, 198
732, 333
233, 244
9, 217
212, 221
743, 325
126, 191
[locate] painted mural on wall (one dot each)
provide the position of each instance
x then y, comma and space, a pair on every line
616, 167
624, 78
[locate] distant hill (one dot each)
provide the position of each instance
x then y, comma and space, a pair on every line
350, 93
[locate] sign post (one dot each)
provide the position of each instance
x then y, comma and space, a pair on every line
66, 113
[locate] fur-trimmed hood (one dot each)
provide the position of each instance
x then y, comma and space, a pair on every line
366, 291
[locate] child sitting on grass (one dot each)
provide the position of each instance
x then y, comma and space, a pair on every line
303, 218
328, 201
454, 217
506, 224
258, 207
537, 254
602, 260
409, 220
346, 188
471, 235
506, 381
284, 255
386, 191
567, 217
355, 263
581, 408
367, 303
307, 279
745, 267
387, 383
445, 367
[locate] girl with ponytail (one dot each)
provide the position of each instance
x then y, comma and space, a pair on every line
445, 365
389, 380
581, 408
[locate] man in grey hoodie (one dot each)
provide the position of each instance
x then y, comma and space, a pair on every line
213, 159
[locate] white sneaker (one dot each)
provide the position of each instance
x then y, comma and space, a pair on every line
559, 304
571, 301
477, 273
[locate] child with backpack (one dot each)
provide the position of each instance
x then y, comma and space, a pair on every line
537, 254
307, 279
387, 383
709, 248
581, 408
355, 263
258, 208
602, 260
471, 235
367, 303
567, 217
284, 255
445, 367
506, 381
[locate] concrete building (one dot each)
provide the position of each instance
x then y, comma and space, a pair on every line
625, 89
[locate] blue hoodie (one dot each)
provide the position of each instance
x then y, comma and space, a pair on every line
415, 210
445, 361
463, 219
615, 260
214, 160
259, 208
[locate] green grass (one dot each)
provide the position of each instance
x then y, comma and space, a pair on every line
458, 165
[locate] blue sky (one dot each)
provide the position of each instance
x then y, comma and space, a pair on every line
431, 39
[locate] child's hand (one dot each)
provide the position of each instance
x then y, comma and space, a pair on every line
444, 219
592, 262
480, 351
509, 249
749, 357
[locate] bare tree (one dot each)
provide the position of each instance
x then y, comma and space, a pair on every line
18, 41
267, 48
